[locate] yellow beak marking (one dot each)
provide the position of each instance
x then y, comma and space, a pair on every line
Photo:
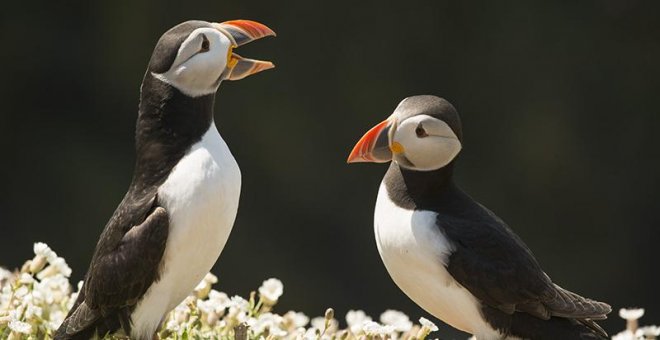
231, 60
396, 148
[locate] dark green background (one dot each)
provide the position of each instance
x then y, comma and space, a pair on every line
559, 102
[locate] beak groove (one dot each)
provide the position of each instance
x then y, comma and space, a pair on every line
373, 146
245, 31
241, 32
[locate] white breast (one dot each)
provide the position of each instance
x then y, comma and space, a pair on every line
201, 197
415, 253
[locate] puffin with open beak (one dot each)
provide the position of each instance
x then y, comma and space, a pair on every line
180, 207
452, 256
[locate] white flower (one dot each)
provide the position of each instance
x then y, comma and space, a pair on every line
53, 289
396, 319
625, 335
205, 306
319, 323
219, 299
57, 266
650, 332
214, 306
172, 325
271, 290
204, 286
270, 322
631, 314
239, 303
5, 274
428, 324
311, 334
21, 292
179, 315
20, 327
26, 279
297, 333
295, 320
356, 320
238, 308
33, 311
374, 328
42, 249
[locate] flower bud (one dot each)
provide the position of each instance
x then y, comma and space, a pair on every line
38, 263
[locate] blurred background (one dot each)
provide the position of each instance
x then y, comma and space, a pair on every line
560, 110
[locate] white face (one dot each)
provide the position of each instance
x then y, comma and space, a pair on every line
200, 61
427, 143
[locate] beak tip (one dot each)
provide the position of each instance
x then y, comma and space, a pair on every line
355, 156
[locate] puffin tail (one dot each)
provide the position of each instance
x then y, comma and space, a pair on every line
79, 324
526, 326
529, 327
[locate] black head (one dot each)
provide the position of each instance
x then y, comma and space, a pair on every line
432, 106
423, 134
169, 44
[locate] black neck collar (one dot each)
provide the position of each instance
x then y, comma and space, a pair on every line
421, 190
169, 123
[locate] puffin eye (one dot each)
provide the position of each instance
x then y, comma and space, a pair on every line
205, 44
420, 132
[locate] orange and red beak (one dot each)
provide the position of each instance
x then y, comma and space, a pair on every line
241, 32
374, 146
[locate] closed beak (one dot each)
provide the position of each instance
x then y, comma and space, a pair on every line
374, 146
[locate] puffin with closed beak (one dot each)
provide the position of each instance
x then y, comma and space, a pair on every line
451, 255
180, 207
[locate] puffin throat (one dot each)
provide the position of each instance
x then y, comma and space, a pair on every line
413, 189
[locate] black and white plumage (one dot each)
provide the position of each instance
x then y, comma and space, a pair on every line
176, 217
448, 253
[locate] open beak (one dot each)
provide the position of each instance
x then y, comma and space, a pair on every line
374, 146
241, 32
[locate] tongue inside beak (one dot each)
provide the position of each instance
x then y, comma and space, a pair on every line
241, 32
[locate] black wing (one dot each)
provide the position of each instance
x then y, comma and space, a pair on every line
119, 278
126, 262
497, 267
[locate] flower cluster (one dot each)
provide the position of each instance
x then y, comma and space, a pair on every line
210, 314
35, 299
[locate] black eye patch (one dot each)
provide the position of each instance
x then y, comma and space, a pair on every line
206, 45
420, 132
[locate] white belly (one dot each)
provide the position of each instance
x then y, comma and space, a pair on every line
201, 197
415, 253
